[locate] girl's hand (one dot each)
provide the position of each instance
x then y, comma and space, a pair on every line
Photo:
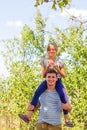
56, 67
50, 62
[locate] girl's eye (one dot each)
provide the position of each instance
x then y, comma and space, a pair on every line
51, 49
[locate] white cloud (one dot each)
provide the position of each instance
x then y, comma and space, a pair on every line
54, 15
14, 23
75, 12
70, 12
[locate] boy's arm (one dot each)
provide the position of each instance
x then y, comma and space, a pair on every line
38, 105
66, 106
30, 111
32, 108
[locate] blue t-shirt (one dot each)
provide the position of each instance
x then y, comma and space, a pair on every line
50, 108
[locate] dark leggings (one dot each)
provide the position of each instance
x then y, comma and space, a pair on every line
43, 86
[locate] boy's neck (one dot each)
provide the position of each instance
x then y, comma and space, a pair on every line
50, 88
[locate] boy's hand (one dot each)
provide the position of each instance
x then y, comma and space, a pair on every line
66, 106
30, 107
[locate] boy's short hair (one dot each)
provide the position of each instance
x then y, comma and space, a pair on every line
51, 71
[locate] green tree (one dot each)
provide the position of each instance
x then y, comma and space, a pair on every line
23, 60
73, 44
55, 3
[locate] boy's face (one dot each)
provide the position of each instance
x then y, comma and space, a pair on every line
52, 51
51, 79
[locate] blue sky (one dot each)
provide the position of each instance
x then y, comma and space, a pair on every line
14, 14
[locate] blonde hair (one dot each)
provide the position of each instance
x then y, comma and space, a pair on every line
54, 44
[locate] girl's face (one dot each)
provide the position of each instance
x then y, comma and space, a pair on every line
52, 51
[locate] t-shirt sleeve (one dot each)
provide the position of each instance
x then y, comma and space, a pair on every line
61, 62
42, 62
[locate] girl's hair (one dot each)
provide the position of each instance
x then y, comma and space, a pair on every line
54, 44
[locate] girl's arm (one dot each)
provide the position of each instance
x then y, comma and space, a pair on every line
44, 69
61, 70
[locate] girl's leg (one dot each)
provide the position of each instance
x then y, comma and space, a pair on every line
42, 87
63, 96
39, 91
61, 91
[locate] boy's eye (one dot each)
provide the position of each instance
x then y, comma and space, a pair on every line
48, 76
51, 77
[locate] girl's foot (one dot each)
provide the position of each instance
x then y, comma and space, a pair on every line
24, 118
69, 124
